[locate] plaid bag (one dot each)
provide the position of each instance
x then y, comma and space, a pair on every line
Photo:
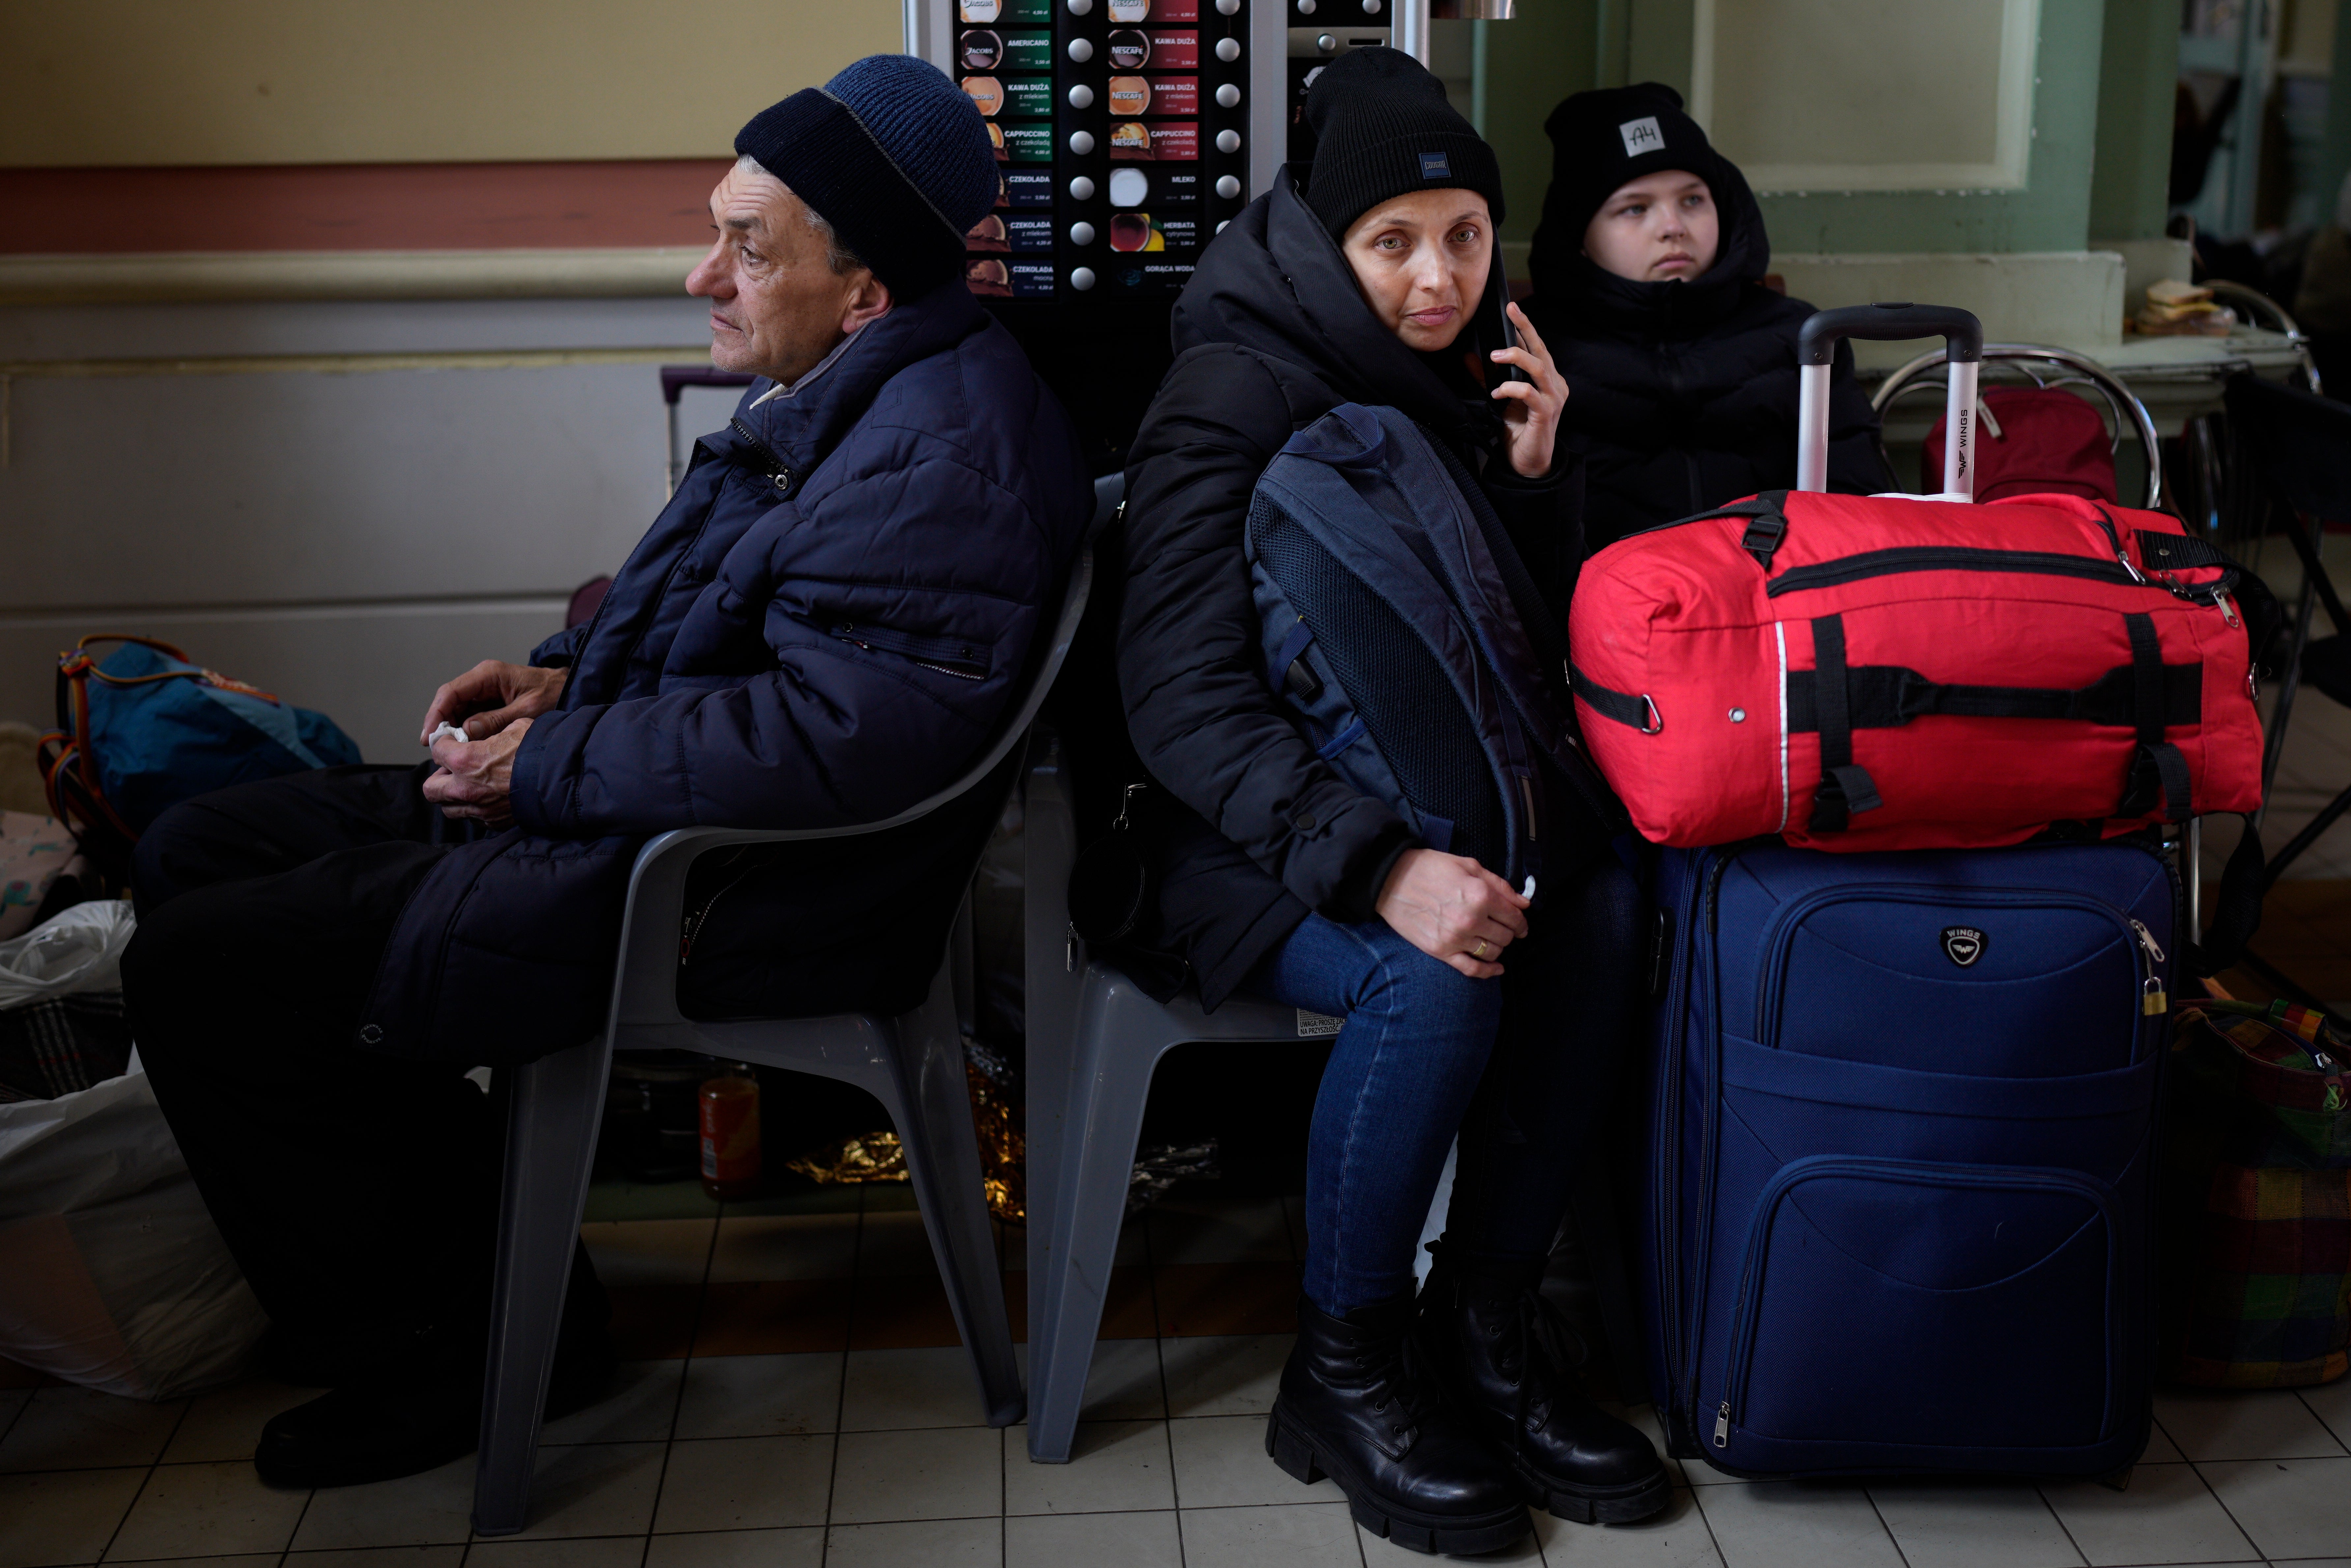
2257, 1198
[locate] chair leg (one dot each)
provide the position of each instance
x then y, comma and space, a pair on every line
1102, 1101
932, 1114
551, 1146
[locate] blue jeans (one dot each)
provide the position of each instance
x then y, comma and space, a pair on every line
1519, 1068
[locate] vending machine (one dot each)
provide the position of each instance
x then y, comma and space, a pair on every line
1127, 133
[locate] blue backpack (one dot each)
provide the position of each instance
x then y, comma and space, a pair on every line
1392, 610
146, 729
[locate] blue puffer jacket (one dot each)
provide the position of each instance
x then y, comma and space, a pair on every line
816, 634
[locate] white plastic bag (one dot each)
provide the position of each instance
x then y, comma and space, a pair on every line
112, 1272
79, 949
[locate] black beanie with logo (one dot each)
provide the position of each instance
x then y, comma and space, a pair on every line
1383, 130
1602, 139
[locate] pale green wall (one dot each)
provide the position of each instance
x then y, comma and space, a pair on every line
1557, 47
1546, 52
2141, 64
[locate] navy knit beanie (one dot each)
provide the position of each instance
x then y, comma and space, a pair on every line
1381, 129
890, 153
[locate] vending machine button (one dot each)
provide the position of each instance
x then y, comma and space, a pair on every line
1228, 7
1222, 227
1081, 142
1228, 95
1229, 141
1081, 189
1229, 187
1080, 8
1080, 50
1306, 7
1370, 7
1326, 43
1081, 97
1228, 49
1081, 278
1082, 234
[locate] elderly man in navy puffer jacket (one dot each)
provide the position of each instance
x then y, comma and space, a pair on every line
824, 626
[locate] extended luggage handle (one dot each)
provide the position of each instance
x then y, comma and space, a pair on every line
1816, 343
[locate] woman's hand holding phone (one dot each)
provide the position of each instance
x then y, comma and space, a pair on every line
1533, 397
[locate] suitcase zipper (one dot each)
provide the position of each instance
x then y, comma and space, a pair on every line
1947, 558
2153, 1002
1746, 1305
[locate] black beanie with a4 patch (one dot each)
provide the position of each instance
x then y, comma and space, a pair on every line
1605, 139
1383, 130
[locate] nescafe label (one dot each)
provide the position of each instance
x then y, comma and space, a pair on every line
1028, 51
1030, 233
1134, 142
1171, 51
1033, 281
1168, 95
1129, 96
1130, 10
1027, 190
1028, 95
1130, 49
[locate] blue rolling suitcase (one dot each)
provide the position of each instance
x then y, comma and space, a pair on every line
1903, 1122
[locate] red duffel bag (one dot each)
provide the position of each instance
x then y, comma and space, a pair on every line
1881, 672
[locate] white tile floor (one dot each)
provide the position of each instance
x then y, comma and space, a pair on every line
874, 1458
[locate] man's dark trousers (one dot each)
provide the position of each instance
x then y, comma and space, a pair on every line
358, 1192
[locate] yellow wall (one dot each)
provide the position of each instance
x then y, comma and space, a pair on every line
128, 82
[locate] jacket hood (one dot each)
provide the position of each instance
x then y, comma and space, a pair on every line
1578, 289
1274, 281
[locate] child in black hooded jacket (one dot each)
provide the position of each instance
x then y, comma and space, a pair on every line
1648, 284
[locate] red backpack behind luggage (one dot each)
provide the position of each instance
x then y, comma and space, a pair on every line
2036, 441
1888, 672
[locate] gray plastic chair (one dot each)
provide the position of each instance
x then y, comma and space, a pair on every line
913, 1065
1094, 1040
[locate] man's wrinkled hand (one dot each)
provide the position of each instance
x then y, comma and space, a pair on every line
477, 777
491, 696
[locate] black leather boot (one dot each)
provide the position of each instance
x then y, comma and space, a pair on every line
1502, 1354
1356, 1405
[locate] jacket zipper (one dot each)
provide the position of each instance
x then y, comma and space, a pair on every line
945, 655
1747, 1305
1947, 558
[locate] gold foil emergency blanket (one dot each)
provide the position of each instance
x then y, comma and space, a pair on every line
879, 1156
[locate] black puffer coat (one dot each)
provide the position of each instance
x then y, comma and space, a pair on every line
1272, 334
1684, 394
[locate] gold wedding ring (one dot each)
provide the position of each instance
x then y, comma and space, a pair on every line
1478, 951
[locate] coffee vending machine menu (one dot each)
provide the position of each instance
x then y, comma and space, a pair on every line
1122, 131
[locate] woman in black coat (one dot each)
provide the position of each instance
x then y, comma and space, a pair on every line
1649, 286
1377, 283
